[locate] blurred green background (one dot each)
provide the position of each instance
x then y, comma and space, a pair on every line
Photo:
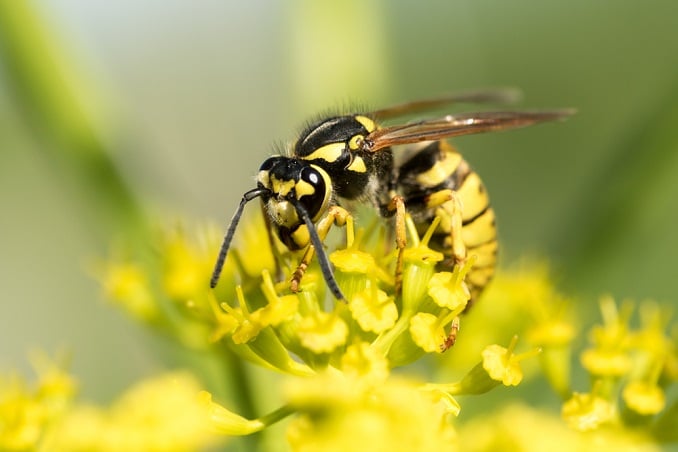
186, 99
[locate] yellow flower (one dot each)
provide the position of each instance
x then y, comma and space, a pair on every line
347, 398
392, 416
553, 333
374, 310
499, 365
185, 267
644, 398
28, 409
520, 300
586, 412
518, 427
220, 420
419, 265
554, 337
322, 332
611, 363
360, 361
225, 322
246, 331
127, 284
277, 310
352, 260
610, 341
162, 413
427, 332
503, 365
448, 290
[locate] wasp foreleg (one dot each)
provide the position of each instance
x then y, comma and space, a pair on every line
335, 216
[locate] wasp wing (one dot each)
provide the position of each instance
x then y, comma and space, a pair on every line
493, 96
456, 125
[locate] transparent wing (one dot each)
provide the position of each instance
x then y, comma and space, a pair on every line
456, 125
487, 96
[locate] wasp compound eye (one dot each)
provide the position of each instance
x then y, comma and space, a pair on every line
312, 190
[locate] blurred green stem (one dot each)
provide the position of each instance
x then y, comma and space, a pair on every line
67, 114
75, 123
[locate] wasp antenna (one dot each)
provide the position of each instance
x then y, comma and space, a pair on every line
323, 260
247, 197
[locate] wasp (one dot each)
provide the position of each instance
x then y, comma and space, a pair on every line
342, 160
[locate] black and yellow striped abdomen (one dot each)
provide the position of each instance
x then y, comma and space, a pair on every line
439, 168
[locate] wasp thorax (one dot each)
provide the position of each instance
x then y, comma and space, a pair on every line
331, 139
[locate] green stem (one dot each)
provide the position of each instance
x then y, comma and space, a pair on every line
384, 342
241, 390
69, 114
278, 415
240, 384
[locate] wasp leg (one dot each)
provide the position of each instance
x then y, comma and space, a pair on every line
447, 206
335, 216
452, 336
397, 204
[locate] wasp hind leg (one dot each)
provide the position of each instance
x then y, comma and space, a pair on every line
447, 207
397, 205
451, 336
335, 216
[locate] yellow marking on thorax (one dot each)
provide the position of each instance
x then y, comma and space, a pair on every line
367, 123
358, 165
330, 152
356, 142
440, 171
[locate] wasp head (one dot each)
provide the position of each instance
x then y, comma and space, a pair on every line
289, 184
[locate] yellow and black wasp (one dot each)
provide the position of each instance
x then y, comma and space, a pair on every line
344, 159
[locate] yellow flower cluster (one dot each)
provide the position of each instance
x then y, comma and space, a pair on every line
160, 414
630, 369
27, 410
341, 386
353, 345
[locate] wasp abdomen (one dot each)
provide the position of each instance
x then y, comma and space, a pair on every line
426, 181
